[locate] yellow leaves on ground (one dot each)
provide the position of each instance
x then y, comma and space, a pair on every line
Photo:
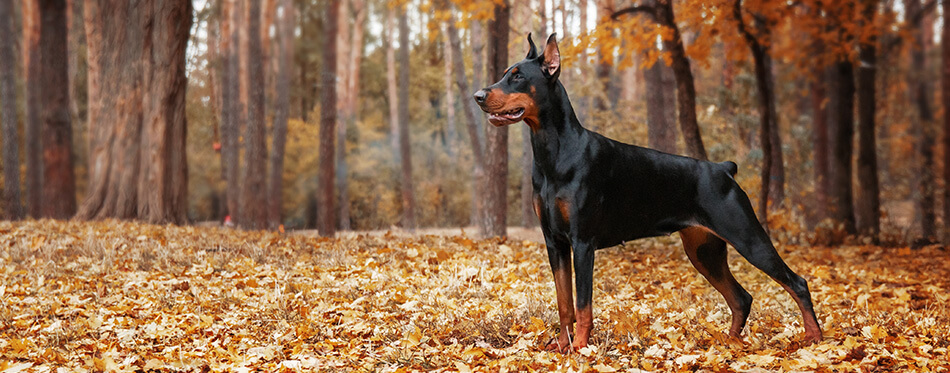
116, 297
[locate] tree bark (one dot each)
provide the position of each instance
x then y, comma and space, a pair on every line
12, 208
451, 133
945, 98
59, 185
867, 205
285, 56
33, 147
496, 189
137, 110
685, 86
841, 140
254, 186
326, 216
234, 116
661, 113
922, 128
405, 153
771, 175
351, 89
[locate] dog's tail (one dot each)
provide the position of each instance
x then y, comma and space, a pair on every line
731, 167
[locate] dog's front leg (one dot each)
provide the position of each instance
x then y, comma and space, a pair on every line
584, 284
559, 254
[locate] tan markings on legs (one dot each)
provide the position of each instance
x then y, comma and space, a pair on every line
565, 308
812, 330
707, 252
537, 206
585, 323
564, 208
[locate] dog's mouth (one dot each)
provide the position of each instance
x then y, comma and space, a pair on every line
505, 118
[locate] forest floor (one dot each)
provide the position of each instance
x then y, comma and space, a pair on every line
119, 296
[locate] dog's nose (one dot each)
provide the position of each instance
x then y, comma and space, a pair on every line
480, 96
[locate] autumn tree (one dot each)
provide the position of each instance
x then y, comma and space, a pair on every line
945, 98
285, 56
59, 186
496, 151
349, 58
765, 84
326, 215
137, 166
11, 205
233, 115
867, 196
254, 183
922, 124
662, 13
33, 146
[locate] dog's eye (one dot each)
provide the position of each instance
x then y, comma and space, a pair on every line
517, 77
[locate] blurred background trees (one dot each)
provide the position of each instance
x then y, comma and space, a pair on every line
357, 114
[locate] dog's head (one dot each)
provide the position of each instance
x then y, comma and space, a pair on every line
516, 96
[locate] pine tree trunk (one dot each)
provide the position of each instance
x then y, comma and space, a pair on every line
12, 208
451, 133
867, 201
496, 189
352, 91
137, 110
254, 185
33, 147
685, 87
405, 153
59, 185
285, 57
326, 215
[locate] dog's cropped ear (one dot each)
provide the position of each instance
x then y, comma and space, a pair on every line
551, 58
533, 50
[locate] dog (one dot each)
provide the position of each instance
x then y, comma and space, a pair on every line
591, 192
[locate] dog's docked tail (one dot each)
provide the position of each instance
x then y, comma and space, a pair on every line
731, 167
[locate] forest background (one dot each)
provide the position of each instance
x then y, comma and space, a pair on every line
835, 104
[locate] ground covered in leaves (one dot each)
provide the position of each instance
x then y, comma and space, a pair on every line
117, 296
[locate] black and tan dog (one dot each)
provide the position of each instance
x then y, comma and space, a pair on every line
591, 192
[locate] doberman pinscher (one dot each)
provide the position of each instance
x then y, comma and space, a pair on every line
591, 192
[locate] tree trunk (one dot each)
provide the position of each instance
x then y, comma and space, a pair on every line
945, 97
285, 56
392, 87
254, 186
137, 110
233, 118
867, 204
661, 134
33, 149
841, 141
59, 185
12, 208
471, 117
496, 188
326, 219
405, 153
351, 93
685, 87
451, 133
767, 118
922, 128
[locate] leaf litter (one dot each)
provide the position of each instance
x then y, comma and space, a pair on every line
115, 296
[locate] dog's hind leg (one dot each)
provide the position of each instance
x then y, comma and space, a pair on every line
734, 221
708, 254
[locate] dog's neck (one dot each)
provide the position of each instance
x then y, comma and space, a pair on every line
558, 129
